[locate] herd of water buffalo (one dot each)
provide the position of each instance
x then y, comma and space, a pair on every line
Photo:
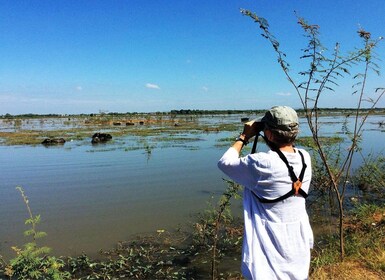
98, 137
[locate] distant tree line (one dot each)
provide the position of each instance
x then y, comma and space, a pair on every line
262, 111
323, 111
212, 112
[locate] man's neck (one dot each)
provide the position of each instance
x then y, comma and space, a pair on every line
287, 148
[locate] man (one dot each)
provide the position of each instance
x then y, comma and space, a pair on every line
278, 236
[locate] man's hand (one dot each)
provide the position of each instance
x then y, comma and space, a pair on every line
252, 128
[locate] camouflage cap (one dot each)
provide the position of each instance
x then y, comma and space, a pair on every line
281, 117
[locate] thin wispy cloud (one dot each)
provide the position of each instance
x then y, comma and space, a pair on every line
79, 88
206, 89
152, 86
283, 93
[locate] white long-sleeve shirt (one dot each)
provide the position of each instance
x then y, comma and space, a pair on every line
278, 236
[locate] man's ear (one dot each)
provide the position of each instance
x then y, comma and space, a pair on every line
268, 134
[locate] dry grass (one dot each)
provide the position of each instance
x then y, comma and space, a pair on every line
347, 270
364, 248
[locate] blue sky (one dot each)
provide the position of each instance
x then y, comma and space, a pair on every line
77, 56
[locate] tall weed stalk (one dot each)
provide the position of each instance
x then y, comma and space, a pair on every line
216, 229
32, 261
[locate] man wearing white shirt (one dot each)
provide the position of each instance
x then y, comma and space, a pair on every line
278, 236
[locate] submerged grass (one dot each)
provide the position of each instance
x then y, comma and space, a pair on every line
82, 129
301, 141
35, 137
21, 138
327, 141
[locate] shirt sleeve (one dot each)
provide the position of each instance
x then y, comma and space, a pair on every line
238, 169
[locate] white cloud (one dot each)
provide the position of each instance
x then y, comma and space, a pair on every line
206, 89
79, 88
152, 86
283, 93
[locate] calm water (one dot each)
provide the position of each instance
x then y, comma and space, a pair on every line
91, 197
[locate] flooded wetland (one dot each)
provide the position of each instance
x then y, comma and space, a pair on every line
155, 174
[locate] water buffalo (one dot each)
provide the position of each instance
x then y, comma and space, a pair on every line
53, 141
100, 138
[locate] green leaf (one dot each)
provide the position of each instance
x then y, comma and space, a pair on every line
40, 234
37, 219
29, 232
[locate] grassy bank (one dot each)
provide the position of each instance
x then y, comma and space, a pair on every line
365, 247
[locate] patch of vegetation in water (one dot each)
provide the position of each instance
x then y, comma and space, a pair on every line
308, 141
176, 139
102, 150
133, 148
35, 137
223, 127
21, 137
181, 145
226, 140
154, 127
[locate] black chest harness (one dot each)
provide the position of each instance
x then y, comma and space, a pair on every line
296, 181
